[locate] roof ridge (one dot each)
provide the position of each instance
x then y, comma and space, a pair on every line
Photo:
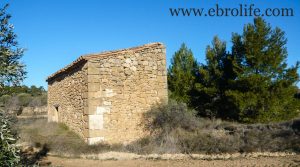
111, 52
103, 54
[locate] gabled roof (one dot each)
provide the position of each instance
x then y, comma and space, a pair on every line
87, 57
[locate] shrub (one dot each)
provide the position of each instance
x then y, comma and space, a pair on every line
9, 152
171, 116
4, 100
177, 129
38, 101
24, 99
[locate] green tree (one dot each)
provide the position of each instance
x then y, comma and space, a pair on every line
12, 72
14, 90
212, 80
264, 87
253, 83
182, 74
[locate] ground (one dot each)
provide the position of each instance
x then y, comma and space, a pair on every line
289, 161
47, 143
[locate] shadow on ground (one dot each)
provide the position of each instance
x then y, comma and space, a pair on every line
35, 155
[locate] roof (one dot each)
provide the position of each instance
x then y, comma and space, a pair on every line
87, 57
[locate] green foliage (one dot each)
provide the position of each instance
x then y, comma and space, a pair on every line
9, 152
14, 90
23, 96
212, 80
251, 84
264, 87
182, 74
11, 70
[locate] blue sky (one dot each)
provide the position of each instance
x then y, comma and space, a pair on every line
56, 32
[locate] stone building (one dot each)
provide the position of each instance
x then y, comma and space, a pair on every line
103, 96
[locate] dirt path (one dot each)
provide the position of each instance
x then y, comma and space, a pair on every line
290, 161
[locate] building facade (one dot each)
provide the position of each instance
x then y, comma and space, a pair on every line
102, 97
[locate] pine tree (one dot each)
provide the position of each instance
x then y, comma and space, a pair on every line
253, 83
211, 82
182, 74
264, 87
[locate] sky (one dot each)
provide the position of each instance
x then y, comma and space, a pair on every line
56, 32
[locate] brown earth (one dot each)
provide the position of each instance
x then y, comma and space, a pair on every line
290, 161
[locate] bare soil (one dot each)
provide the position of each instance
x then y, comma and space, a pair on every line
289, 161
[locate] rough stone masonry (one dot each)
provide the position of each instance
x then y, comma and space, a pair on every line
102, 97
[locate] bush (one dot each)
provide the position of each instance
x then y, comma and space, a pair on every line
38, 101
178, 129
17, 102
24, 99
9, 152
4, 100
172, 116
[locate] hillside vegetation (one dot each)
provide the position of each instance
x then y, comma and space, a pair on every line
15, 98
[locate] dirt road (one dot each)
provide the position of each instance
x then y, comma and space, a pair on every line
290, 161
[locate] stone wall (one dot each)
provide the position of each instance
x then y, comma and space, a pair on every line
103, 96
122, 87
67, 95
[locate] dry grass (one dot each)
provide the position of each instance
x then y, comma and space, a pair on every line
175, 129
56, 137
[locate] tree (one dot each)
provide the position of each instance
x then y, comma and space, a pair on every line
14, 90
264, 87
182, 74
12, 71
252, 83
212, 80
